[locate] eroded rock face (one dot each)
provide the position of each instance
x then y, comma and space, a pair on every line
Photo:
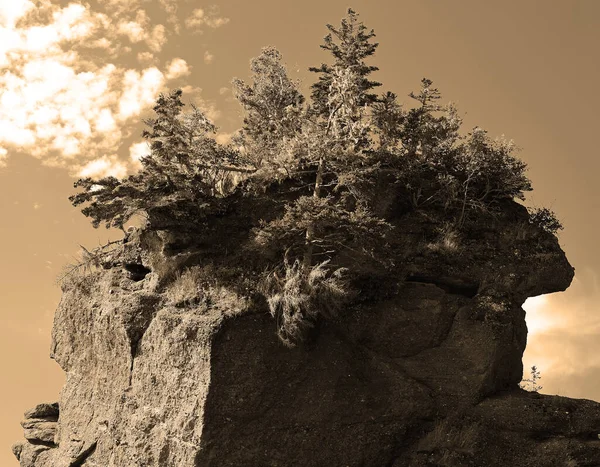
39, 427
422, 369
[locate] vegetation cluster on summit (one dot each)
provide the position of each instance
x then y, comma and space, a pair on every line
335, 154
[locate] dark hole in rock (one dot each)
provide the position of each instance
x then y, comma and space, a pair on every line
137, 272
453, 286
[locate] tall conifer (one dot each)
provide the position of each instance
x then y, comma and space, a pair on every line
350, 45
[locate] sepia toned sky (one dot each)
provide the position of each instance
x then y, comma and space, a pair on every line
76, 79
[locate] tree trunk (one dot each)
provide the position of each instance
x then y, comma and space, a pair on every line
310, 231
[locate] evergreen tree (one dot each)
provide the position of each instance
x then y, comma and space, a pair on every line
350, 45
440, 168
489, 172
330, 149
273, 106
185, 163
430, 128
424, 142
387, 120
531, 384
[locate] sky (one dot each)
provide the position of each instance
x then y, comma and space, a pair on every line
78, 78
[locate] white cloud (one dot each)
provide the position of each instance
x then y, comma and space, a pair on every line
105, 121
73, 22
3, 156
170, 7
119, 8
65, 95
136, 152
139, 30
157, 39
105, 166
177, 68
139, 91
102, 43
133, 30
196, 19
200, 18
145, 57
208, 57
51, 102
11, 11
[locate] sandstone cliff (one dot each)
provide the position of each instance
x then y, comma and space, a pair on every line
422, 369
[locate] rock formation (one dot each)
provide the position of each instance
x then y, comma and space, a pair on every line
421, 369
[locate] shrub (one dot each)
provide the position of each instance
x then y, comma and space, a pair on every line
186, 289
448, 240
531, 384
79, 272
198, 287
300, 296
77, 276
545, 219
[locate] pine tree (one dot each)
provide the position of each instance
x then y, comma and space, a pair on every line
185, 164
531, 384
441, 168
331, 150
350, 45
273, 105
430, 126
424, 141
387, 120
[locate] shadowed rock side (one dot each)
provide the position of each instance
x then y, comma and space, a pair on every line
422, 369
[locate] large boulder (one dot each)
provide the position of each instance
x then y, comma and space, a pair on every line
422, 368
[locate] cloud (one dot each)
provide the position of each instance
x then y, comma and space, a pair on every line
139, 90
563, 338
11, 11
208, 57
119, 8
64, 97
177, 68
170, 7
75, 79
157, 39
140, 30
102, 43
200, 18
3, 156
136, 152
145, 57
105, 166
137, 30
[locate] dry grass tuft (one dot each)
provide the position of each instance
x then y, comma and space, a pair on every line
186, 289
300, 296
447, 242
197, 287
81, 272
